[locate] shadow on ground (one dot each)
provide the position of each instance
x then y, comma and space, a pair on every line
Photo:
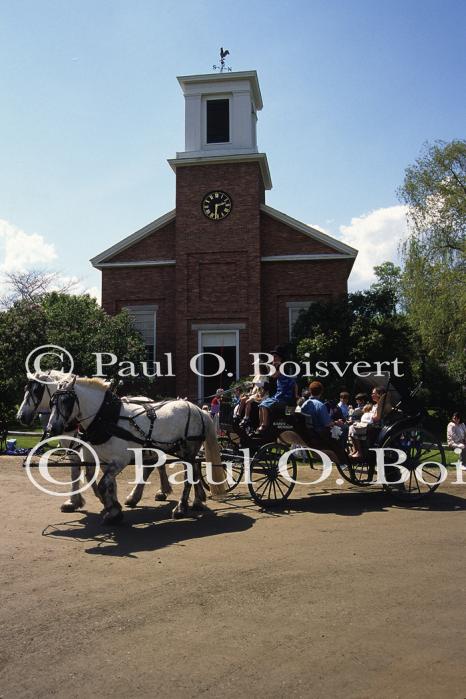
146, 529
357, 502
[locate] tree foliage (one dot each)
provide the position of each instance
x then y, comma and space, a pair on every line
434, 254
364, 326
434, 189
76, 323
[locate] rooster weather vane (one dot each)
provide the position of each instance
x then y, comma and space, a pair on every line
223, 54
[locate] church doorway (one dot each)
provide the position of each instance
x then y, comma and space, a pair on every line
225, 345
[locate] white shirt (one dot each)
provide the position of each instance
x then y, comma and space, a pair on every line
456, 435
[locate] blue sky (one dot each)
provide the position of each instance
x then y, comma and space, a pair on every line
91, 110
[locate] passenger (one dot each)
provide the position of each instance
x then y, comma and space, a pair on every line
378, 412
260, 392
334, 411
316, 408
320, 422
285, 395
356, 413
358, 430
236, 396
344, 404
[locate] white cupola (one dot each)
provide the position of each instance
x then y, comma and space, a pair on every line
220, 114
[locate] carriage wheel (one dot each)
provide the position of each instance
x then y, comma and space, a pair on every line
229, 455
420, 446
357, 473
268, 486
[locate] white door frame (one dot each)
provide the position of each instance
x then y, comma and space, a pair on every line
200, 346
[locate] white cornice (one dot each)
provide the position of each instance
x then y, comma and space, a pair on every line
250, 75
132, 239
347, 250
260, 158
305, 258
136, 263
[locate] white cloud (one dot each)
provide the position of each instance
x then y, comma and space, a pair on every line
20, 252
376, 236
319, 228
96, 292
23, 251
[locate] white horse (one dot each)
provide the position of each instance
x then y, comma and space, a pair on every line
38, 393
177, 427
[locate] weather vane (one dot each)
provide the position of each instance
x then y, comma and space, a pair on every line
222, 67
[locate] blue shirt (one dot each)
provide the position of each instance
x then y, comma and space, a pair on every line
318, 411
285, 389
344, 409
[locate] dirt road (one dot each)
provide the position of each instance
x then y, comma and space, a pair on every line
343, 595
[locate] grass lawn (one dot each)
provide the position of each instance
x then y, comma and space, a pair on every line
25, 442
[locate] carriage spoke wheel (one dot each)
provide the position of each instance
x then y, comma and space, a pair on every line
420, 447
358, 473
268, 486
232, 457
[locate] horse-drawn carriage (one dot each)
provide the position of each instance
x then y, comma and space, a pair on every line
290, 444
271, 462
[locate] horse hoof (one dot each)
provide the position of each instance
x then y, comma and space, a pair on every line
178, 513
115, 518
69, 507
129, 502
160, 497
199, 507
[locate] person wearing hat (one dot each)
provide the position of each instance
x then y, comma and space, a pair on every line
286, 393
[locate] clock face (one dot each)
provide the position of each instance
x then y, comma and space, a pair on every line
216, 205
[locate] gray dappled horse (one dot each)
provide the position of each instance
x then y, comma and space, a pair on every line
111, 425
38, 393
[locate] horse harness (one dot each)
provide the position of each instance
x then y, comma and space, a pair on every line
42, 385
105, 422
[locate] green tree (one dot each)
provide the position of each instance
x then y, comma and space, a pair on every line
389, 280
434, 276
434, 189
76, 323
364, 326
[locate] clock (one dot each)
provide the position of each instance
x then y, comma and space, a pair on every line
216, 205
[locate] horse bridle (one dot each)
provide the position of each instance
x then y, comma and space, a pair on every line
37, 402
69, 393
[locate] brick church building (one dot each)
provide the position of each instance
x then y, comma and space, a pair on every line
223, 272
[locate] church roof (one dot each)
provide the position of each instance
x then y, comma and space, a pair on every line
134, 238
341, 249
322, 237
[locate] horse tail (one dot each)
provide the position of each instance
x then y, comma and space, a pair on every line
213, 455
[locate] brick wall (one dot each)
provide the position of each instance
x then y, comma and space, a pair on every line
283, 282
218, 277
278, 239
159, 245
130, 286
217, 262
